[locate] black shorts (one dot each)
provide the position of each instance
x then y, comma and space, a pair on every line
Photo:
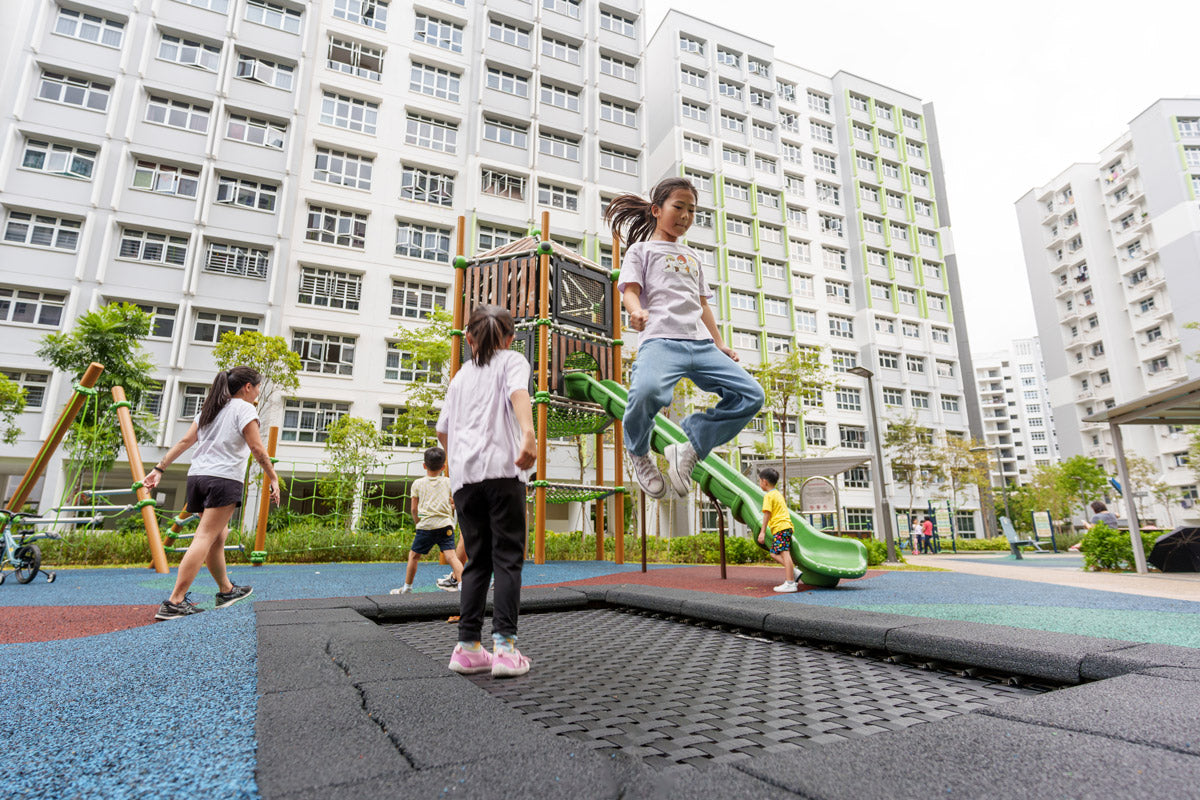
425, 538
209, 491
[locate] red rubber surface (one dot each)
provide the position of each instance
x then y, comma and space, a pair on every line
742, 580
21, 624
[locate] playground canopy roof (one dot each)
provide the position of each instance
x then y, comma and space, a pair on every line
530, 244
1175, 405
825, 466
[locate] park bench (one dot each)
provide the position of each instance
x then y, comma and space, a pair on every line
1015, 543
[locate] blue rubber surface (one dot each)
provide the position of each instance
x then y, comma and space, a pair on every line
167, 710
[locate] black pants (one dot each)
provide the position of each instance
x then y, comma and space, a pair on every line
491, 515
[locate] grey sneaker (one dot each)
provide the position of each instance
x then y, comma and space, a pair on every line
169, 610
447, 582
681, 459
401, 590
232, 596
645, 471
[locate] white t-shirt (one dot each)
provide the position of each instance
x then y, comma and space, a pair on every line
483, 435
221, 449
672, 281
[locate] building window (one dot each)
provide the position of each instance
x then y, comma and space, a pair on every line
264, 71
568, 8
189, 53
337, 227
191, 400
355, 58
743, 301
797, 216
212, 325
800, 251
729, 89
34, 385
89, 27
804, 285
31, 306
885, 325
309, 420
940, 335
814, 434
70, 90
42, 230
818, 102
856, 478
690, 77
239, 260
832, 225
261, 132
745, 340
919, 399
853, 437
694, 111
425, 242
507, 133
491, 237
689, 45
350, 113
416, 300
695, 146
618, 67
178, 114
503, 184
1159, 365
837, 292
618, 161
426, 186
402, 366
330, 288
563, 51
370, 13
343, 169
507, 33
893, 398
738, 226
324, 353
733, 122
833, 258
611, 111
438, 82
806, 321
430, 133
273, 15
775, 306
551, 144
510, 83
915, 364
841, 327
153, 248
945, 369
558, 197
257, 195
444, 35
59, 159
821, 132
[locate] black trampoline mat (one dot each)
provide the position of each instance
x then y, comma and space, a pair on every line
672, 693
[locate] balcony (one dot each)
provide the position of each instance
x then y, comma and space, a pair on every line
1118, 176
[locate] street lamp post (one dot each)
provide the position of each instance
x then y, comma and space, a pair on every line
1000, 475
881, 501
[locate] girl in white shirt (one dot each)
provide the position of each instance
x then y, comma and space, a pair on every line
486, 428
225, 432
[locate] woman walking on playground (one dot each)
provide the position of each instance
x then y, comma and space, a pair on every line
225, 431
665, 293
486, 428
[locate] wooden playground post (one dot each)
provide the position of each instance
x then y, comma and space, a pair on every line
69, 412
264, 500
543, 387
158, 556
600, 501
618, 435
456, 338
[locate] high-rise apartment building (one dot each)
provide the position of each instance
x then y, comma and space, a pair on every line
824, 223
1112, 248
1018, 428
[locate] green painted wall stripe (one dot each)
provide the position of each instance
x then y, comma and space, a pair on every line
918, 270
871, 109
723, 263
754, 234
719, 189
923, 303
910, 208
753, 197
758, 272
762, 311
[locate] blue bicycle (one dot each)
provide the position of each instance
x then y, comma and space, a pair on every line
20, 553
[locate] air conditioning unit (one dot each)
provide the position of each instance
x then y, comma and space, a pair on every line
1187, 502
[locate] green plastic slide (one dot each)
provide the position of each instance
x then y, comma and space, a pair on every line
822, 559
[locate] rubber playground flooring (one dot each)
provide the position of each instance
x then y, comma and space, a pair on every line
167, 710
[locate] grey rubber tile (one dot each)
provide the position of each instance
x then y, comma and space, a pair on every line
386, 659
1135, 658
551, 598
360, 604
419, 605
1174, 673
976, 757
1039, 654
727, 610
668, 601
328, 708
439, 722
307, 616
1137, 708
832, 624
716, 781
304, 664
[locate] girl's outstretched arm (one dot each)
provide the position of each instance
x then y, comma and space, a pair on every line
632, 299
524, 412
710, 322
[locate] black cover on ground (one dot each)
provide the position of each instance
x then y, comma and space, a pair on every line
1177, 551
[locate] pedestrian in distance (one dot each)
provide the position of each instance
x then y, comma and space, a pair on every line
664, 291
916, 538
433, 517
224, 432
486, 428
777, 523
927, 535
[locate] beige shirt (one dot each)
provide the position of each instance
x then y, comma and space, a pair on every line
435, 509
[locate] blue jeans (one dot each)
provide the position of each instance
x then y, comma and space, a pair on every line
660, 364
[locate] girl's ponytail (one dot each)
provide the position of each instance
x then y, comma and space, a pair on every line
488, 327
224, 387
632, 212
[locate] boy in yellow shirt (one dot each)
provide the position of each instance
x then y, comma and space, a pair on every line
777, 520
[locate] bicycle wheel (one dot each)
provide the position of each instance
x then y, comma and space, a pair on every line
27, 560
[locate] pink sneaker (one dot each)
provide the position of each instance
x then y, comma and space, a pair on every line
470, 662
509, 664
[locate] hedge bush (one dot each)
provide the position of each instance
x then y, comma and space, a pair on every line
1106, 548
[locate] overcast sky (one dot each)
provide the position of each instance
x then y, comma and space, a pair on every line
1021, 90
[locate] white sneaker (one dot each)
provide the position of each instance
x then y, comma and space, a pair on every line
401, 590
786, 586
645, 471
681, 459
796, 575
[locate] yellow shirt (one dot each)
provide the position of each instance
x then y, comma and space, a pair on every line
773, 504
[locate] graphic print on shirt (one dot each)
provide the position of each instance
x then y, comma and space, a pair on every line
681, 262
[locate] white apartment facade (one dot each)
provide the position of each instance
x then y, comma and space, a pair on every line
1111, 249
824, 223
1018, 428
296, 169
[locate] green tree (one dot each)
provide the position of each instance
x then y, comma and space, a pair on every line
964, 464
1147, 484
424, 349
12, 403
1068, 487
351, 452
111, 335
786, 381
270, 356
915, 458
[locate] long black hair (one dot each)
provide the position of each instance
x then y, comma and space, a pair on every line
227, 383
489, 326
635, 213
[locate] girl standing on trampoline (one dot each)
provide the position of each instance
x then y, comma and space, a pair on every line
665, 293
225, 431
486, 428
